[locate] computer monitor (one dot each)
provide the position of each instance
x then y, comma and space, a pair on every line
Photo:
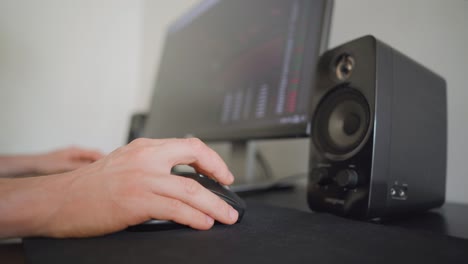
237, 70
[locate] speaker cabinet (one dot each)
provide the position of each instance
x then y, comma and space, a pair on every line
379, 133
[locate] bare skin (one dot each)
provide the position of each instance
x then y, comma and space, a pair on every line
58, 161
131, 185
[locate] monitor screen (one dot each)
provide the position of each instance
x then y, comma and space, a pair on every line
238, 70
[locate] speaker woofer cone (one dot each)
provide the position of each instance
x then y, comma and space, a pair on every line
341, 123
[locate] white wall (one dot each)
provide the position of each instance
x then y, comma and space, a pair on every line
69, 72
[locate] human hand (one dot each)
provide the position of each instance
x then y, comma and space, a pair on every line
134, 184
64, 160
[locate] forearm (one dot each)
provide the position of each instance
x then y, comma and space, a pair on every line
11, 166
27, 204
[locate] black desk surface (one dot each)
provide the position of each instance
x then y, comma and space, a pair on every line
451, 219
270, 234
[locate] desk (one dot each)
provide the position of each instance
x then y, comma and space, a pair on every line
451, 219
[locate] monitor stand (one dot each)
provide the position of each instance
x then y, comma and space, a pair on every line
242, 162
252, 172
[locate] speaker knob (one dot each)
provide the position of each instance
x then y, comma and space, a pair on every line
347, 178
320, 176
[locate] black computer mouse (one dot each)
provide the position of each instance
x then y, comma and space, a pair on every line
228, 196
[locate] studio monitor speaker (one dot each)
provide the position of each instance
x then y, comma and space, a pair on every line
379, 133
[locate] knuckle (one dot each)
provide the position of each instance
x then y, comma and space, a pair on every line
196, 143
174, 207
139, 142
222, 207
191, 187
140, 153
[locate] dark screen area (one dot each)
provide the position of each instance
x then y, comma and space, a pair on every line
237, 69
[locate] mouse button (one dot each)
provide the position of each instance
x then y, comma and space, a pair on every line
225, 198
231, 199
190, 175
211, 184
228, 199
200, 178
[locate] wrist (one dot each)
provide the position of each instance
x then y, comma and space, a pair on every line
28, 204
53, 191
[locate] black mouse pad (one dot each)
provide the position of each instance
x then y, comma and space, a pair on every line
266, 235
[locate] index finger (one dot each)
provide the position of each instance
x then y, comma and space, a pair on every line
194, 152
